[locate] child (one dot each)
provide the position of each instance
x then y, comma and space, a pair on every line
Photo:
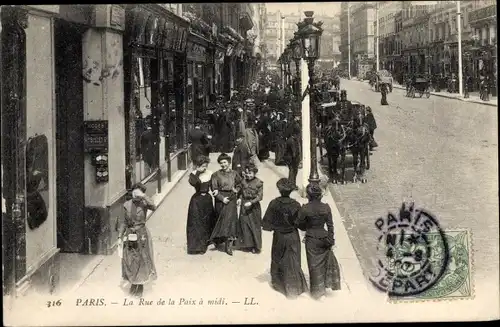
250, 215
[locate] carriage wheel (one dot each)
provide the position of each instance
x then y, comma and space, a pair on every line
428, 93
421, 93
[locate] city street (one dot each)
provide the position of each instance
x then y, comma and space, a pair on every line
440, 152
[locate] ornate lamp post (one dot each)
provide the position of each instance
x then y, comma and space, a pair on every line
310, 34
297, 56
289, 57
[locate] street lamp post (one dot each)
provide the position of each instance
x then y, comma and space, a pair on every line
288, 60
297, 55
311, 38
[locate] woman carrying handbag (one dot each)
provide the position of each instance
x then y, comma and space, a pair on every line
138, 266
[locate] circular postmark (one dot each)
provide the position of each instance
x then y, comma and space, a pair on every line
413, 252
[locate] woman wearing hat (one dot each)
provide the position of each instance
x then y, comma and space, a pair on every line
250, 236
287, 276
323, 266
138, 266
226, 183
201, 214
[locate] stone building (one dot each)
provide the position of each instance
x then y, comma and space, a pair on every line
146, 71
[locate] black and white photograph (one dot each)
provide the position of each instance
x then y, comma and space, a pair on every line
249, 163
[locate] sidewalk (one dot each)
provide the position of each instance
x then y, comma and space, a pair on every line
167, 226
472, 97
75, 268
214, 275
352, 274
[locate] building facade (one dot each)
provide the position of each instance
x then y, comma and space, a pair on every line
387, 11
330, 39
150, 69
344, 35
357, 19
272, 36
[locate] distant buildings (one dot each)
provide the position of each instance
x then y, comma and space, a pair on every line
330, 40
362, 43
421, 37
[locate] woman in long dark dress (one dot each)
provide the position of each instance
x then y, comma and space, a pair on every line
250, 236
323, 266
138, 266
201, 213
287, 276
226, 183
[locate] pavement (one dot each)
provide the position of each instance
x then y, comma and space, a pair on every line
473, 97
212, 276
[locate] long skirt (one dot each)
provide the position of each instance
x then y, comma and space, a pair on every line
250, 222
279, 153
287, 276
264, 148
227, 221
200, 222
138, 260
324, 271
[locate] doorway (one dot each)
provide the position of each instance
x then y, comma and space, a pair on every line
69, 134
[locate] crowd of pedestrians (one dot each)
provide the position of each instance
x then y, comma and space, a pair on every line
225, 210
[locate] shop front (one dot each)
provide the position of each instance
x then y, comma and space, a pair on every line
199, 76
28, 116
155, 109
231, 39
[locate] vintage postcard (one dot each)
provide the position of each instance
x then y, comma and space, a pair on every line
249, 163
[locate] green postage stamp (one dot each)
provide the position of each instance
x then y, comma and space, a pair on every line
456, 281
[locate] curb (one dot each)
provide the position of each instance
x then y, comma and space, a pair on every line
444, 95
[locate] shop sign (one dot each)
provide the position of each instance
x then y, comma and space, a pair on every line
175, 37
483, 13
117, 16
196, 51
95, 135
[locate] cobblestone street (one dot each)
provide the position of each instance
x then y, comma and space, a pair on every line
440, 152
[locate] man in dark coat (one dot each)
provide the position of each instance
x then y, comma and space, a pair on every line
241, 155
149, 146
200, 144
383, 91
263, 128
372, 125
292, 154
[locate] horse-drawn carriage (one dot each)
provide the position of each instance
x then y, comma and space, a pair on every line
420, 85
344, 128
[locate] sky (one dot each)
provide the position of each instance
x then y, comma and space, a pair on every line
293, 7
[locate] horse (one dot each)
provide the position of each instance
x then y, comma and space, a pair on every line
335, 136
359, 141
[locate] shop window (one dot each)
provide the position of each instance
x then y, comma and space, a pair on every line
146, 141
171, 110
37, 180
